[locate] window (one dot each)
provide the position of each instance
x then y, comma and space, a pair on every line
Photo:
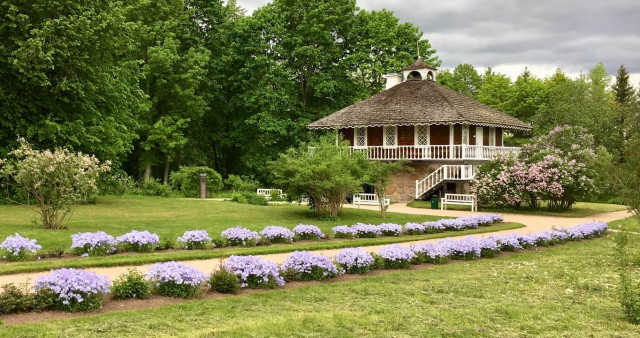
361, 137
422, 135
391, 136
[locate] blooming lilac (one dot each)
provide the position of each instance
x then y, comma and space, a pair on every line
354, 260
343, 231
195, 239
396, 256
254, 272
366, 230
414, 228
240, 236
390, 229
306, 231
74, 289
304, 265
175, 279
17, 247
93, 243
141, 241
277, 234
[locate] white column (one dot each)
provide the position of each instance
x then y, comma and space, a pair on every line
451, 146
465, 139
479, 137
492, 136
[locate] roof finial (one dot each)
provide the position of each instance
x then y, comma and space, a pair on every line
418, 45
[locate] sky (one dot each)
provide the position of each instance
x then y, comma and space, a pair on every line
508, 35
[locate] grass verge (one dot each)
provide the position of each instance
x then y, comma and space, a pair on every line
580, 209
630, 223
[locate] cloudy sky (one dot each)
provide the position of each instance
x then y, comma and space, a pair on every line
508, 35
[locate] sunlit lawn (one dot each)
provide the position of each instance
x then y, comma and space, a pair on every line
580, 209
630, 224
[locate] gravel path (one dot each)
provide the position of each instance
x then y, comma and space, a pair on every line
533, 223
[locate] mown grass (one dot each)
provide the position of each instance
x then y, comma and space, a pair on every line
580, 209
630, 224
568, 291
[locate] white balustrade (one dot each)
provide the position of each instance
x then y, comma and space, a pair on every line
435, 152
447, 172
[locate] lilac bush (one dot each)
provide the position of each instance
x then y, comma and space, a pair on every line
195, 239
254, 272
93, 243
343, 231
414, 228
366, 230
394, 257
17, 248
435, 253
174, 279
140, 241
304, 265
240, 236
354, 260
306, 231
277, 234
390, 229
73, 290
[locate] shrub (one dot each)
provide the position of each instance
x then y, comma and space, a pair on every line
167, 242
394, 257
277, 234
54, 252
195, 239
173, 279
488, 247
433, 227
140, 241
73, 290
343, 231
153, 187
304, 265
414, 228
93, 243
467, 248
187, 180
254, 272
354, 260
18, 248
585, 230
16, 299
435, 253
509, 242
390, 229
56, 179
240, 236
130, 285
238, 198
224, 281
308, 232
116, 183
255, 199
629, 288
366, 230
238, 184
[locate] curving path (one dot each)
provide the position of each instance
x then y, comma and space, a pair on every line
533, 223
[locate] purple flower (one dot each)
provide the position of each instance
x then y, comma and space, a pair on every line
18, 247
343, 231
390, 229
195, 239
396, 256
366, 230
467, 248
508, 242
305, 231
305, 265
240, 236
437, 253
175, 272
277, 234
432, 227
75, 289
585, 230
93, 243
254, 272
354, 260
414, 228
141, 241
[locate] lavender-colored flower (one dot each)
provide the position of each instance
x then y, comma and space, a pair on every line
254, 272
366, 230
396, 256
175, 272
141, 241
433, 227
354, 260
414, 228
436, 253
304, 265
489, 247
467, 248
343, 231
18, 247
543, 238
527, 241
240, 236
195, 239
277, 234
585, 230
306, 231
93, 243
508, 242
390, 229
75, 289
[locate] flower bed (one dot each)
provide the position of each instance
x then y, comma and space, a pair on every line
467, 248
390, 229
18, 248
509, 242
140, 241
240, 236
277, 234
343, 231
93, 243
414, 228
195, 239
175, 279
354, 260
73, 290
306, 231
435, 253
304, 265
366, 230
255, 272
395, 257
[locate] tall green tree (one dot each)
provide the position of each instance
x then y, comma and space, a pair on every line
494, 91
528, 95
464, 79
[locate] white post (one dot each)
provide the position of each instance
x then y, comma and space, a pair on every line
451, 146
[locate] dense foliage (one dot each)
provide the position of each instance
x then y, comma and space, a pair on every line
187, 180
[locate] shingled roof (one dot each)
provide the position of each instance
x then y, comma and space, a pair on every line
418, 102
419, 64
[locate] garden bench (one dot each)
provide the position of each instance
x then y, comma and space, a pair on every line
459, 199
267, 193
369, 199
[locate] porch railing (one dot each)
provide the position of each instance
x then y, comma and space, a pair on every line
435, 152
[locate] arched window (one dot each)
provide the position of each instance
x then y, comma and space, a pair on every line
414, 76
430, 76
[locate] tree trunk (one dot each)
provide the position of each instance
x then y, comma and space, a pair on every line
147, 172
165, 179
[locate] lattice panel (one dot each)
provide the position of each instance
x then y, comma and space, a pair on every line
361, 137
391, 136
423, 135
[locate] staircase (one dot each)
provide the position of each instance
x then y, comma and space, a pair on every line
462, 172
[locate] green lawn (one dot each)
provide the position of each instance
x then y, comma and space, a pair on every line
567, 291
580, 209
630, 223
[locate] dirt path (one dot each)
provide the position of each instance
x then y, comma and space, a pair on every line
533, 223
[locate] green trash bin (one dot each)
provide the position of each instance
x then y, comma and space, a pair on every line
434, 202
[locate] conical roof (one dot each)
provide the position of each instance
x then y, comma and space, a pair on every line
418, 64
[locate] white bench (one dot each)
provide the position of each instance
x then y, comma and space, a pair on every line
369, 199
267, 193
459, 199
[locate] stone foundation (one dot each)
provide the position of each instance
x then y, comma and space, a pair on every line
403, 186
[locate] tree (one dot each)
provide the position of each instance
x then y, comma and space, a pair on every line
379, 175
494, 91
465, 79
622, 88
324, 170
624, 98
527, 97
56, 179
626, 175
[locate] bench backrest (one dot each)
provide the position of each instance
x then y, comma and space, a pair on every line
460, 197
